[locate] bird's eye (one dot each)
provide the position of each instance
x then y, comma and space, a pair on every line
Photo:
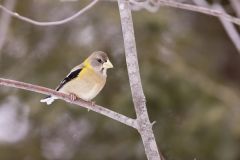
99, 60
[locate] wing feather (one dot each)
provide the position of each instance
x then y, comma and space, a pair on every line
73, 74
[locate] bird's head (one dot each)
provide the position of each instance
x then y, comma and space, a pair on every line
99, 61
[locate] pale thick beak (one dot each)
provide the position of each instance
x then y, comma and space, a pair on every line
107, 64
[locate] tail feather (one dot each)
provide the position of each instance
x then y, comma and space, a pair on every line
49, 100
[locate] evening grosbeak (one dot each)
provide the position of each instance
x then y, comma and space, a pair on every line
86, 80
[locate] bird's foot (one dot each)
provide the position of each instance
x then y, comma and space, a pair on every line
73, 96
92, 103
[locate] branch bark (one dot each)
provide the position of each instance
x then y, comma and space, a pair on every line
145, 127
96, 108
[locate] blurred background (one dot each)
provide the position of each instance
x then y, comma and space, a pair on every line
190, 71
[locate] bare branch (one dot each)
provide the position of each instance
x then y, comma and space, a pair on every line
228, 26
96, 108
199, 9
52, 23
145, 127
5, 20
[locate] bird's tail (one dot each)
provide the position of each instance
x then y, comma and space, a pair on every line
49, 100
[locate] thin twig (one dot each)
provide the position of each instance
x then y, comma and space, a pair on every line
199, 9
145, 126
228, 26
52, 23
96, 108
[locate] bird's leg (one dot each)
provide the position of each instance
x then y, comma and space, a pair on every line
73, 96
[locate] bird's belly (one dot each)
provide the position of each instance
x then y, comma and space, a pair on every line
85, 88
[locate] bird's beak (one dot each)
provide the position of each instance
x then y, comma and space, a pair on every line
107, 64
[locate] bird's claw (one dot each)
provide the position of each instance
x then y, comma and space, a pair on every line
73, 96
92, 103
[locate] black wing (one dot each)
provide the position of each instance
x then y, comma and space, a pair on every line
69, 77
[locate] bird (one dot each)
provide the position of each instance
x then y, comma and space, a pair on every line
86, 80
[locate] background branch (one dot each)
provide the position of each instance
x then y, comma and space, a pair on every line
5, 20
228, 26
199, 9
236, 6
96, 108
52, 23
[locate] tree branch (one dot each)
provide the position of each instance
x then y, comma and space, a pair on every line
52, 23
149, 5
236, 6
96, 108
228, 26
199, 9
145, 127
